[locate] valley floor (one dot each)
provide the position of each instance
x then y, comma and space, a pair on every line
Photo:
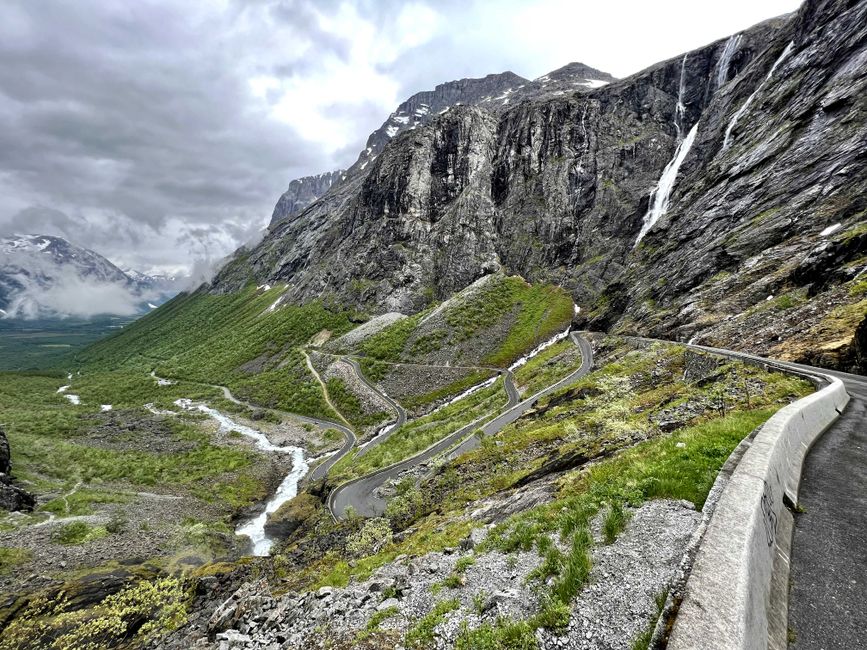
566, 529
561, 526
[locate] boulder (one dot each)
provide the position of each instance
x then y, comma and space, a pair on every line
290, 516
14, 498
5, 454
234, 607
388, 603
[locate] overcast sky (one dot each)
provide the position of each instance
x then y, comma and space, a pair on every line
160, 133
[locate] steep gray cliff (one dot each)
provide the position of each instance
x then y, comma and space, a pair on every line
302, 192
553, 188
765, 244
495, 92
700, 197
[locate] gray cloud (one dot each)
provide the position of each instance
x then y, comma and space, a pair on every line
72, 296
161, 132
36, 286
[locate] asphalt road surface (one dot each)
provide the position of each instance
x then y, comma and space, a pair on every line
828, 595
828, 564
359, 493
399, 411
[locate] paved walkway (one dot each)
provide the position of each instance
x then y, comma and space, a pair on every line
828, 597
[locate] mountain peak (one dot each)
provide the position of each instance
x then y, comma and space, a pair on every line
576, 71
495, 92
48, 276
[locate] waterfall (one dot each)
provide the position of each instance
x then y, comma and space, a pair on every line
725, 59
680, 108
660, 196
746, 104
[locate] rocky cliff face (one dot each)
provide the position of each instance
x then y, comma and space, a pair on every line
551, 187
494, 92
673, 202
302, 192
764, 244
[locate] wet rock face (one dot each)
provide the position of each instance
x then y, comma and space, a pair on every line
291, 516
553, 186
494, 92
778, 210
556, 186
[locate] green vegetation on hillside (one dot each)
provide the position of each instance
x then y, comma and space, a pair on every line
547, 367
49, 438
646, 424
389, 343
454, 388
421, 433
234, 340
129, 618
622, 403
488, 325
350, 406
539, 312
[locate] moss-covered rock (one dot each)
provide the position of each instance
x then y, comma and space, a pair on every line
291, 516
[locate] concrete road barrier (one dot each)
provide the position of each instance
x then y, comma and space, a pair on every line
736, 593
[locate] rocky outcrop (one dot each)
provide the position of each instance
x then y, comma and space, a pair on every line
482, 587
12, 497
494, 92
5, 454
302, 192
765, 227
859, 349
291, 516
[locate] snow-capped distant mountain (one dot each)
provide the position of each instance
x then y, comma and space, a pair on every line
57, 250
42, 276
156, 281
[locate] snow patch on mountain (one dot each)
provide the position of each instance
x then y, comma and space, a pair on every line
42, 276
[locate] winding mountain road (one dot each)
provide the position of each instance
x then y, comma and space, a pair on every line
510, 415
400, 413
322, 469
360, 493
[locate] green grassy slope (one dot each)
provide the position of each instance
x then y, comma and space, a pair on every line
488, 324
237, 341
639, 427
233, 340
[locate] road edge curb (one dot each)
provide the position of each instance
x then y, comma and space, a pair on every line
727, 602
